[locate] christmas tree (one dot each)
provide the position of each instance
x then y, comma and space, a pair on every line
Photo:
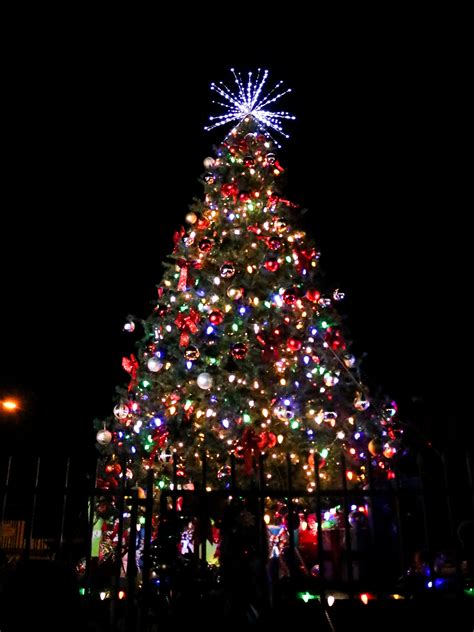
244, 354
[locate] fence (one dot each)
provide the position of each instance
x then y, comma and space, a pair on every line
412, 534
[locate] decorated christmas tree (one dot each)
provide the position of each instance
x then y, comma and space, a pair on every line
244, 355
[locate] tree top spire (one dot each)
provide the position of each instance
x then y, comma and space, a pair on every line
251, 100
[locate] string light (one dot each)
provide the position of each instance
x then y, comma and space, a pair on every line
249, 101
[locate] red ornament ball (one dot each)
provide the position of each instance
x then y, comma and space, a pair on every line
272, 440
244, 197
216, 317
271, 265
294, 344
243, 145
229, 190
205, 245
290, 296
202, 223
239, 350
274, 243
261, 138
161, 310
313, 295
271, 158
249, 161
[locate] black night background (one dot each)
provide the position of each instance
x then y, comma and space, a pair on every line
102, 152
103, 142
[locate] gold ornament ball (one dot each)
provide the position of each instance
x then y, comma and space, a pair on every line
192, 353
389, 451
375, 447
191, 218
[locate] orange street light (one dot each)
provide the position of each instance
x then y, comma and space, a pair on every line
10, 405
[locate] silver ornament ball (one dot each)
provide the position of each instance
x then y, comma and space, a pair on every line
209, 162
204, 381
154, 364
121, 411
104, 437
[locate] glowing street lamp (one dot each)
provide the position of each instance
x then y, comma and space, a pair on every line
9, 405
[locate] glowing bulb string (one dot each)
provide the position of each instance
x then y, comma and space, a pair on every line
249, 101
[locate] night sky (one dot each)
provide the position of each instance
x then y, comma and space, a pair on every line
103, 153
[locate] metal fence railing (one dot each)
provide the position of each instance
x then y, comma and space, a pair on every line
412, 533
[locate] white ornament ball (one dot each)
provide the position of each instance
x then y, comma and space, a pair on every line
349, 360
166, 456
330, 379
130, 326
204, 381
360, 403
284, 413
191, 218
209, 162
104, 437
154, 364
121, 411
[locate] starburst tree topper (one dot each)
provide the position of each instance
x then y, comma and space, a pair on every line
250, 100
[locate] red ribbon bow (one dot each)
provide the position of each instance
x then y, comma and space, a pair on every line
177, 237
304, 258
248, 448
230, 190
275, 199
335, 339
187, 324
255, 228
267, 440
159, 440
183, 276
131, 366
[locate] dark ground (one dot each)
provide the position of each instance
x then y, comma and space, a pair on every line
46, 595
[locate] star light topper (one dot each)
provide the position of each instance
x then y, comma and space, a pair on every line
248, 101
